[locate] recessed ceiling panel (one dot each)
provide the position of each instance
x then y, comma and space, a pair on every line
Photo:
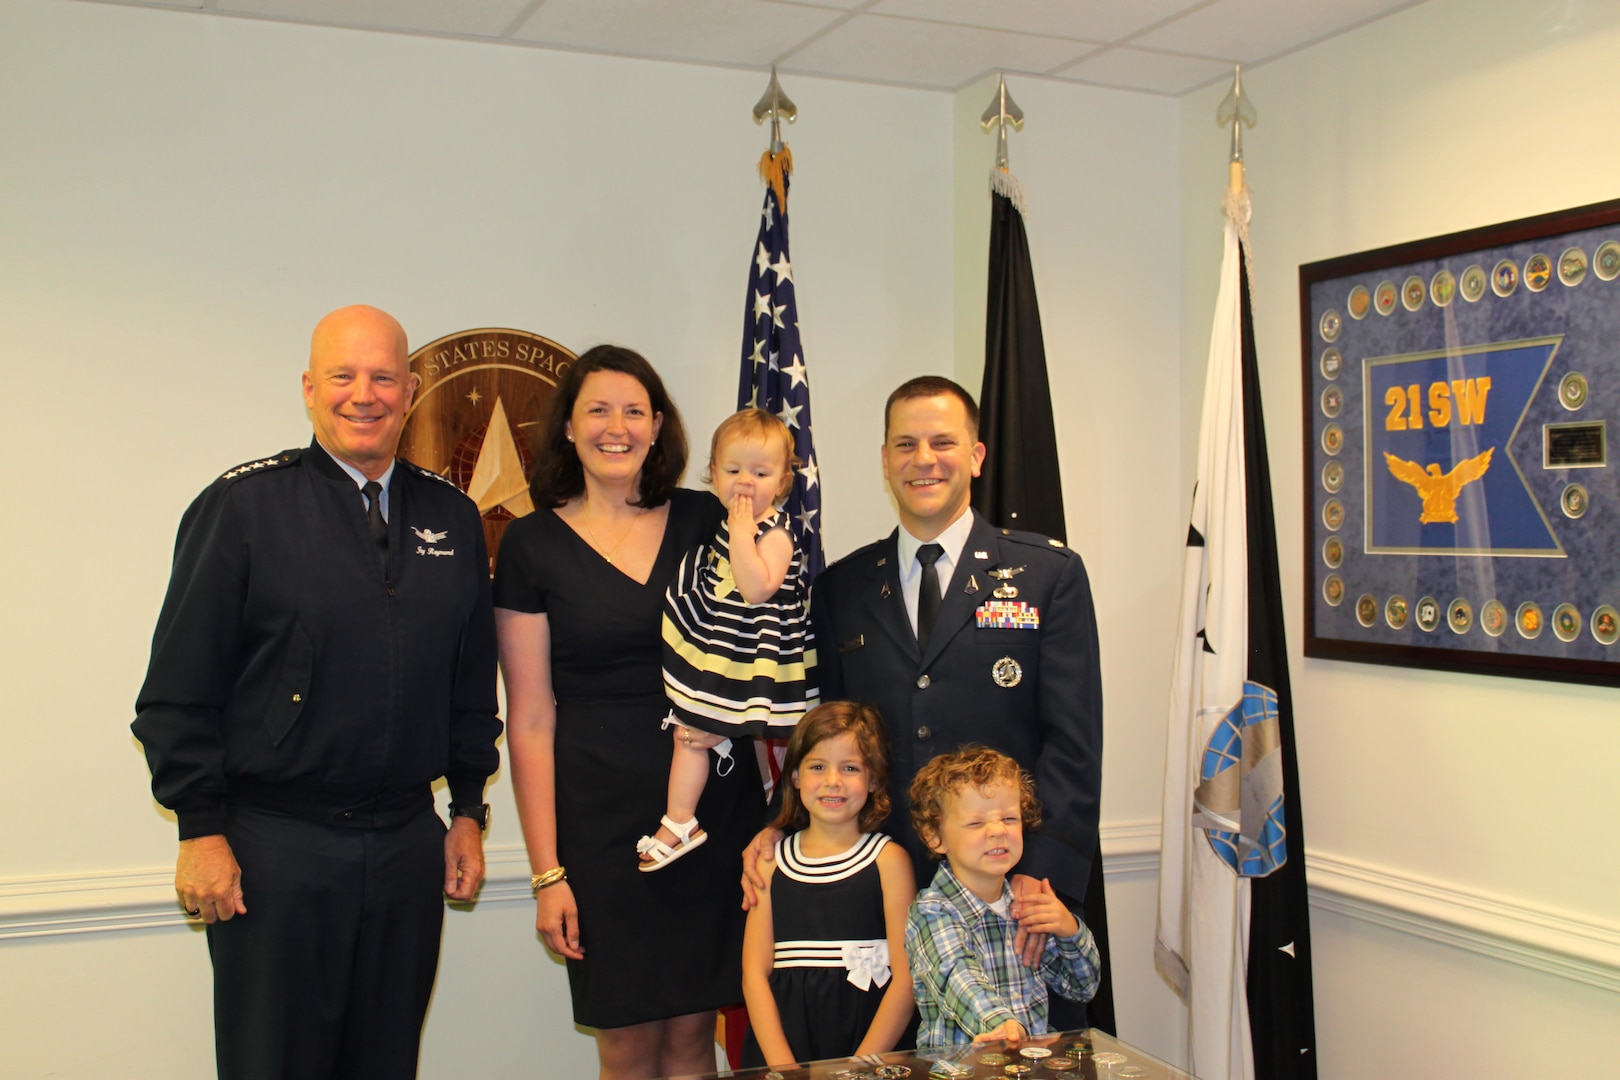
714, 31
1141, 69
476, 18
1087, 20
1252, 30
917, 53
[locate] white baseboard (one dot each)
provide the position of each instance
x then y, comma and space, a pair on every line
1575, 947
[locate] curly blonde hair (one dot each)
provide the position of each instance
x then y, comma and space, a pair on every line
972, 765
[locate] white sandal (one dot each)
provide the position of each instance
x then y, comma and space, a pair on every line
661, 853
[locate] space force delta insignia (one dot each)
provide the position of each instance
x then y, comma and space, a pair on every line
1008, 615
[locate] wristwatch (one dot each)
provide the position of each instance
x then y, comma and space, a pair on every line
479, 813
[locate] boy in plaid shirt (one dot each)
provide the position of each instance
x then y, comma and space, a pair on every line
972, 807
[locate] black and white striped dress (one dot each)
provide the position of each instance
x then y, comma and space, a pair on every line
730, 667
827, 917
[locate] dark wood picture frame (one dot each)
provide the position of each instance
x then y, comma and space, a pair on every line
1461, 512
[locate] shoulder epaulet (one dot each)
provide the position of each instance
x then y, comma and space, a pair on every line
248, 468
1031, 539
429, 473
859, 553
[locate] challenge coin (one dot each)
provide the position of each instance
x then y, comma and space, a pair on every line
1332, 363
1574, 501
1493, 618
1358, 302
1332, 401
1528, 620
1333, 590
1062, 1064
1366, 609
1572, 266
1333, 552
1505, 278
1606, 262
1413, 292
1573, 391
1428, 614
1331, 325
1034, 1053
1566, 622
1395, 612
1333, 476
1460, 616
1472, 283
1333, 439
1384, 297
1333, 514
1537, 272
995, 1057
1606, 625
1442, 287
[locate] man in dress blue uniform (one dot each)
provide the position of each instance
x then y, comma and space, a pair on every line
960, 632
325, 652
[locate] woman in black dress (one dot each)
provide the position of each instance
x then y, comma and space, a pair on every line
578, 594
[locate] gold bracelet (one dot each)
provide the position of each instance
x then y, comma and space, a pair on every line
547, 879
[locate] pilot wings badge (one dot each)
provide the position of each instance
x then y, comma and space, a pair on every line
429, 535
1006, 590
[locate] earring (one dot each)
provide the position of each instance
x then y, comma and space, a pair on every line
570, 438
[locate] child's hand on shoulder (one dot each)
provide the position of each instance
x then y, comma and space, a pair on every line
1012, 1032
1039, 911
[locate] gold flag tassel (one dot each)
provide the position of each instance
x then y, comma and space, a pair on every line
774, 169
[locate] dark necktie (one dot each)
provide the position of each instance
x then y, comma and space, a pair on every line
927, 592
379, 528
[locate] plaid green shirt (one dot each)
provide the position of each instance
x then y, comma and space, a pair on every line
966, 976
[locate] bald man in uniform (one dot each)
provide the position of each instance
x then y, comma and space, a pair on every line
325, 652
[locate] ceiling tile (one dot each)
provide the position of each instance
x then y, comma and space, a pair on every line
1088, 20
918, 53
477, 18
846, 5
1254, 30
1142, 69
715, 31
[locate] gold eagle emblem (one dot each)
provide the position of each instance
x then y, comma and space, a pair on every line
1439, 490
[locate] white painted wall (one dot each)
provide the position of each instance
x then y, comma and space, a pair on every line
1489, 793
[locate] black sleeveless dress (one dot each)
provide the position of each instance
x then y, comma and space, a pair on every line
656, 945
827, 917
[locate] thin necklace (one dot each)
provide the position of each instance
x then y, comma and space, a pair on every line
585, 516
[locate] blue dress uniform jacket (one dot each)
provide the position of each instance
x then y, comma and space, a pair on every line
1046, 713
289, 672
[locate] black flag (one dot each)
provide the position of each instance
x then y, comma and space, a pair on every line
1019, 486
1282, 1020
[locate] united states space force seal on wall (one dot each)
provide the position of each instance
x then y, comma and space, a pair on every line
482, 393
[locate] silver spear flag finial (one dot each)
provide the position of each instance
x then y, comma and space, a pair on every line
1003, 111
778, 106
1235, 109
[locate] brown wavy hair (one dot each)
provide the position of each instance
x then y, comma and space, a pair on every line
975, 765
559, 476
828, 721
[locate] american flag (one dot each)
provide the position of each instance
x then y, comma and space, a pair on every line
773, 372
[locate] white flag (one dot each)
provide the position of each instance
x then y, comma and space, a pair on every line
1203, 925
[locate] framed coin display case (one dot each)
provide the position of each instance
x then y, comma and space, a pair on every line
1461, 511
